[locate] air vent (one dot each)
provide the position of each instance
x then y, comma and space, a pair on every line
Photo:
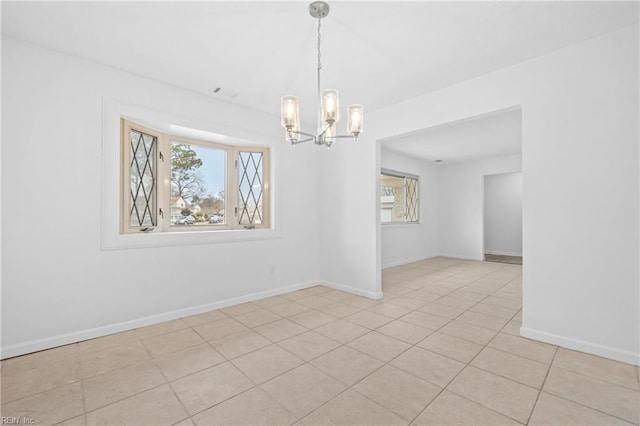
219, 91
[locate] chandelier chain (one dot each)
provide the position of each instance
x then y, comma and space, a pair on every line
319, 37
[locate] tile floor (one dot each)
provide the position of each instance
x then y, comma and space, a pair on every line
440, 348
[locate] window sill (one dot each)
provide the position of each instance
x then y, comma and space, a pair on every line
391, 225
169, 239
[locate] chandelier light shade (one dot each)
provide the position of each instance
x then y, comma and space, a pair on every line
328, 104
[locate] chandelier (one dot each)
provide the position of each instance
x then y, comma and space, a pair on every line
328, 111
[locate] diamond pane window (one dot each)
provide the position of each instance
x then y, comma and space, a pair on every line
399, 198
250, 188
412, 199
142, 177
175, 183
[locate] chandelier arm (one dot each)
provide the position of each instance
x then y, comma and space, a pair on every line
302, 141
344, 136
298, 132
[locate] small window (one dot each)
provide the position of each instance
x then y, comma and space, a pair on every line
173, 184
398, 197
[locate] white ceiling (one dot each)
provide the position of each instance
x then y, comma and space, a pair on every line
489, 135
375, 53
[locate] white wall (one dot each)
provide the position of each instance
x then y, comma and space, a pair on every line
580, 228
404, 243
503, 214
461, 201
58, 285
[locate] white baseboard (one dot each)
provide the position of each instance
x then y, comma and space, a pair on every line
503, 253
78, 336
406, 261
352, 290
582, 346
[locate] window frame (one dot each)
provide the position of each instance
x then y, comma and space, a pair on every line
404, 176
163, 183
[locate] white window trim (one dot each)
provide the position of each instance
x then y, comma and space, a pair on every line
111, 237
396, 173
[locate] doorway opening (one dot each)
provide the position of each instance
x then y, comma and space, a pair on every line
503, 218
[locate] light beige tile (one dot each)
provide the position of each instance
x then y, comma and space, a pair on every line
76, 421
154, 407
21, 384
408, 302
336, 295
204, 318
482, 320
266, 363
206, 388
339, 310
379, 346
496, 311
309, 345
425, 320
396, 289
101, 361
172, 342
346, 364
428, 365
287, 309
237, 344
271, 301
610, 371
503, 302
513, 327
351, 408
469, 332
311, 318
497, 393
404, 331
119, 384
368, 319
185, 422
342, 331
614, 400
253, 407
398, 391
279, 330
109, 341
456, 302
49, 407
303, 389
439, 309
188, 361
551, 410
314, 301
218, 329
390, 310
451, 347
527, 348
240, 309
514, 367
452, 410
257, 317
161, 328
23, 363
361, 302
